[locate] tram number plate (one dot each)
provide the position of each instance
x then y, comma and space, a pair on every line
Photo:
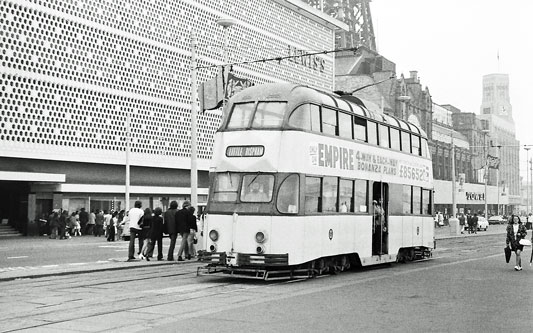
245, 151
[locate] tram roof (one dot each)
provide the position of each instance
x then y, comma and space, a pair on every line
286, 91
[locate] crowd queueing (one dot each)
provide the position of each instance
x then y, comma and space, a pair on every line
146, 225
149, 228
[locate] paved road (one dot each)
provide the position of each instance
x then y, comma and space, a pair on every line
466, 287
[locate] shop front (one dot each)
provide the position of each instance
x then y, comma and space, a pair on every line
472, 198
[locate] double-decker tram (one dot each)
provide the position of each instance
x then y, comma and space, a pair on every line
304, 182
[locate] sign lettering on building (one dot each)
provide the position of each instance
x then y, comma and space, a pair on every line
312, 61
475, 196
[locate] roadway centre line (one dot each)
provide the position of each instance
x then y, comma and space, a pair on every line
19, 257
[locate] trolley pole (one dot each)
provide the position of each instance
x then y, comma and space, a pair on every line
194, 97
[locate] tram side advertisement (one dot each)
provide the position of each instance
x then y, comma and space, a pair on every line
371, 163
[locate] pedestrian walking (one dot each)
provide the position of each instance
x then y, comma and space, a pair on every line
462, 222
54, 225
99, 224
84, 219
156, 235
74, 225
63, 221
182, 217
515, 232
91, 230
111, 225
136, 215
169, 220
193, 229
474, 223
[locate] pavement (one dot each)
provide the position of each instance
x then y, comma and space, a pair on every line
29, 272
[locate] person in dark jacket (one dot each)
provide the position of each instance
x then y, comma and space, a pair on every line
169, 220
84, 219
146, 227
193, 229
156, 235
54, 225
182, 217
515, 232
63, 220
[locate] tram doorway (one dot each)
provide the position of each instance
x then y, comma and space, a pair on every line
14, 204
380, 207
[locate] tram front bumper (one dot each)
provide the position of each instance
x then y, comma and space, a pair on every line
244, 259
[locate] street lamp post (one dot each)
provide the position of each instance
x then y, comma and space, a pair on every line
485, 175
454, 199
530, 181
527, 180
225, 23
404, 99
194, 97
128, 148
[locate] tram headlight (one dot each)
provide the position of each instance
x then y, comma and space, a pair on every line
213, 235
260, 237
260, 249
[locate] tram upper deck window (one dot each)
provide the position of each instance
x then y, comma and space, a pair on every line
241, 115
329, 121
288, 195
306, 117
406, 142
372, 132
384, 136
359, 129
395, 138
345, 125
257, 188
424, 148
415, 145
226, 186
269, 114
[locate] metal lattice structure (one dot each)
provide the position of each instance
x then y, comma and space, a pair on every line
356, 14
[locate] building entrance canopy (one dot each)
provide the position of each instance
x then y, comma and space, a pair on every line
32, 177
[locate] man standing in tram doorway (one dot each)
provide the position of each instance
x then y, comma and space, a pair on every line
379, 227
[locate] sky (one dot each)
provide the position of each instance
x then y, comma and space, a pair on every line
453, 43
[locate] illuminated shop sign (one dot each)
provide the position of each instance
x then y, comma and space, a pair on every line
245, 151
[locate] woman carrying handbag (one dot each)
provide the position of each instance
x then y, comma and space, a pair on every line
516, 231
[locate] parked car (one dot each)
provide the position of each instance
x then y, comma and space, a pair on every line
496, 219
482, 223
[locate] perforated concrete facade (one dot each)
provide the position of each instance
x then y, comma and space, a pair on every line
72, 70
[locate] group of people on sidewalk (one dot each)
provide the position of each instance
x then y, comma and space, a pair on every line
60, 224
468, 223
149, 227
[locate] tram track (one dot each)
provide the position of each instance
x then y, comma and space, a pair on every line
72, 309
